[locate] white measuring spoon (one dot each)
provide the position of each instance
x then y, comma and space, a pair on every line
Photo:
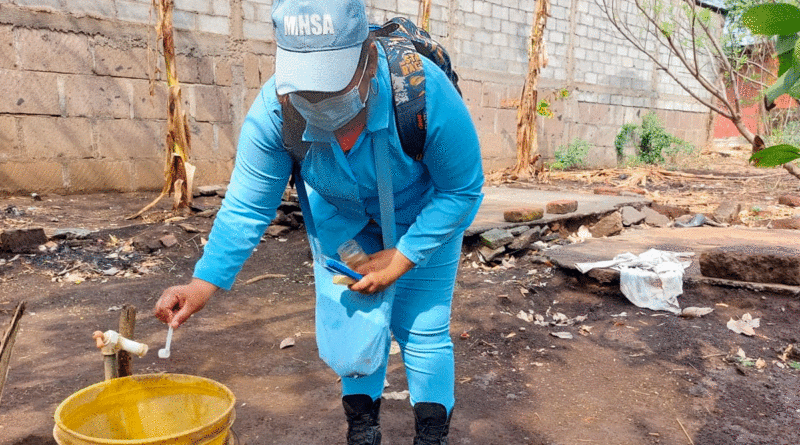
164, 352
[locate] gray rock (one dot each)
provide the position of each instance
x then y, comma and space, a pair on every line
496, 238
654, 218
71, 233
523, 241
519, 230
489, 254
631, 216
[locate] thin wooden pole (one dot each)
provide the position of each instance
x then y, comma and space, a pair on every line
127, 325
8, 343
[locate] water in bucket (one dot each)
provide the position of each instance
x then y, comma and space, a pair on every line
147, 409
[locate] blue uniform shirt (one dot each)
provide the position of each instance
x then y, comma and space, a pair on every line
434, 199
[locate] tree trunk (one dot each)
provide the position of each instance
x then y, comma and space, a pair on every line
527, 137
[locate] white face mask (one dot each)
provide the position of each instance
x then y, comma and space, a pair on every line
332, 113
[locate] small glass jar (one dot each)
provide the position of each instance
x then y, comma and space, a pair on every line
352, 254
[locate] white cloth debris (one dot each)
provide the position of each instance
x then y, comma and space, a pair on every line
652, 280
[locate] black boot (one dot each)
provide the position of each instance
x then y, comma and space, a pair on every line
362, 419
432, 423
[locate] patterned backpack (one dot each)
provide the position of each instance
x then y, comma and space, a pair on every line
404, 44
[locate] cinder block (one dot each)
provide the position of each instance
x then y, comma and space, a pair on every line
31, 176
212, 172
92, 175
8, 56
501, 12
484, 118
123, 139
221, 7
195, 69
41, 5
506, 122
257, 30
184, 20
148, 175
27, 92
8, 138
266, 65
133, 11
250, 98
226, 141
146, 106
56, 137
91, 8
408, 7
491, 145
95, 96
466, 5
472, 92
492, 94
223, 76
121, 62
252, 76
200, 6
213, 104
55, 52
203, 146
214, 24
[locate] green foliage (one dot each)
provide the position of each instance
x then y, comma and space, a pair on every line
780, 19
787, 134
651, 140
624, 137
775, 155
773, 19
794, 365
543, 107
572, 155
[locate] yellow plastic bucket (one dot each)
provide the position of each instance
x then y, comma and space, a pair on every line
169, 409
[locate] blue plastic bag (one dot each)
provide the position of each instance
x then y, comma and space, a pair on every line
352, 329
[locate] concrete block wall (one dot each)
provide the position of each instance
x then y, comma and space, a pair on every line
76, 113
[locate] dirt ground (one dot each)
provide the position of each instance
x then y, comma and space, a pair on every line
628, 375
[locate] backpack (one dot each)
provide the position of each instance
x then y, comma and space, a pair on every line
404, 44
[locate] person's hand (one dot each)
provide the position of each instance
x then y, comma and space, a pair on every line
178, 303
381, 271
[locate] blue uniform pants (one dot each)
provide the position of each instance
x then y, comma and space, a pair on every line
420, 323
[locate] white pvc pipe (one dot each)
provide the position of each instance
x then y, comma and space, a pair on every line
113, 342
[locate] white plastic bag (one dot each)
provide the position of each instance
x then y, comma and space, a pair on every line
652, 280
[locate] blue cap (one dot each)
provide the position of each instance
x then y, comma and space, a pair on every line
319, 43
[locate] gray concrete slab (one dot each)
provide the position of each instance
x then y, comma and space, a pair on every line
696, 239
498, 199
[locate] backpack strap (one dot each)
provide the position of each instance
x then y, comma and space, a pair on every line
408, 89
385, 188
292, 131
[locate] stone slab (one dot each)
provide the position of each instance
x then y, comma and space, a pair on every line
773, 267
498, 199
695, 239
